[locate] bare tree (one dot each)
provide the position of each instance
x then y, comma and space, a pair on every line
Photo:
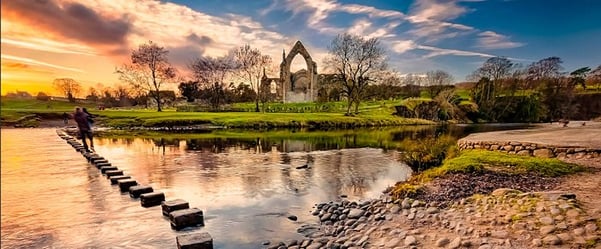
92, 94
355, 59
545, 69
149, 70
249, 64
122, 94
412, 84
436, 81
69, 87
211, 73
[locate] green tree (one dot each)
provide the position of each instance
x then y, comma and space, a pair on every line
578, 76
190, 90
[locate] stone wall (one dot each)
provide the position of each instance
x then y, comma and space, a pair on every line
530, 149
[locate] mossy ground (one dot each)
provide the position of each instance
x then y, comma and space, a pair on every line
482, 162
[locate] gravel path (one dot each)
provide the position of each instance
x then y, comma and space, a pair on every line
575, 134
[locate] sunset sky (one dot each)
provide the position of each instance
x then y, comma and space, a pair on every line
86, 39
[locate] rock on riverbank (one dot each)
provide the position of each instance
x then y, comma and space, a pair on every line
506, 218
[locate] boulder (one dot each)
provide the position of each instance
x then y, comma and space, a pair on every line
544, 153
355, 213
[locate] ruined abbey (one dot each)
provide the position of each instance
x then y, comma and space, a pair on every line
300, 86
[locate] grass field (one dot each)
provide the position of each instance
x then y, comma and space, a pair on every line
13, 109
376, 113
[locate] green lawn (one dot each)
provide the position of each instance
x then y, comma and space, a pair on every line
13, 109
372, 113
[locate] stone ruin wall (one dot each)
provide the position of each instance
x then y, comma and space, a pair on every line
531, 149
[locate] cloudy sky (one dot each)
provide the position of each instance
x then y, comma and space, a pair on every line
86, 39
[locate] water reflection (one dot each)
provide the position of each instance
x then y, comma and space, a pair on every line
246, 183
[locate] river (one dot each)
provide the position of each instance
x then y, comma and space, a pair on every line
246, 187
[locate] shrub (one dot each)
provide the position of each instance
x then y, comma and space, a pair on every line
429, 152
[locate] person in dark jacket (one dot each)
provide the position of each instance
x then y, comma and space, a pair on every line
81, 118
90, 117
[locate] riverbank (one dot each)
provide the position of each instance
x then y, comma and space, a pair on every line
557, 209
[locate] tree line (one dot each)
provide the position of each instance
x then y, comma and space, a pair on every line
359, 71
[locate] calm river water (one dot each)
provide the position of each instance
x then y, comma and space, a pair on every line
52, 198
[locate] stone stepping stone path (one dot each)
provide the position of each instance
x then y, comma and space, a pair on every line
179, 212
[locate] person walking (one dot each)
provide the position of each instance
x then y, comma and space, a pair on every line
65, 118
85, 131
90, 117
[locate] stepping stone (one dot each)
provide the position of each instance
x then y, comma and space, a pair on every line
173, 205
110, 173
94, 155
194, 241
136, 191
186, 218
101, 161
100, 165
96, 158
114, 179
107, 168
125, 184
151, 199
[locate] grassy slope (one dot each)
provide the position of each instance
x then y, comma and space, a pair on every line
470, 161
